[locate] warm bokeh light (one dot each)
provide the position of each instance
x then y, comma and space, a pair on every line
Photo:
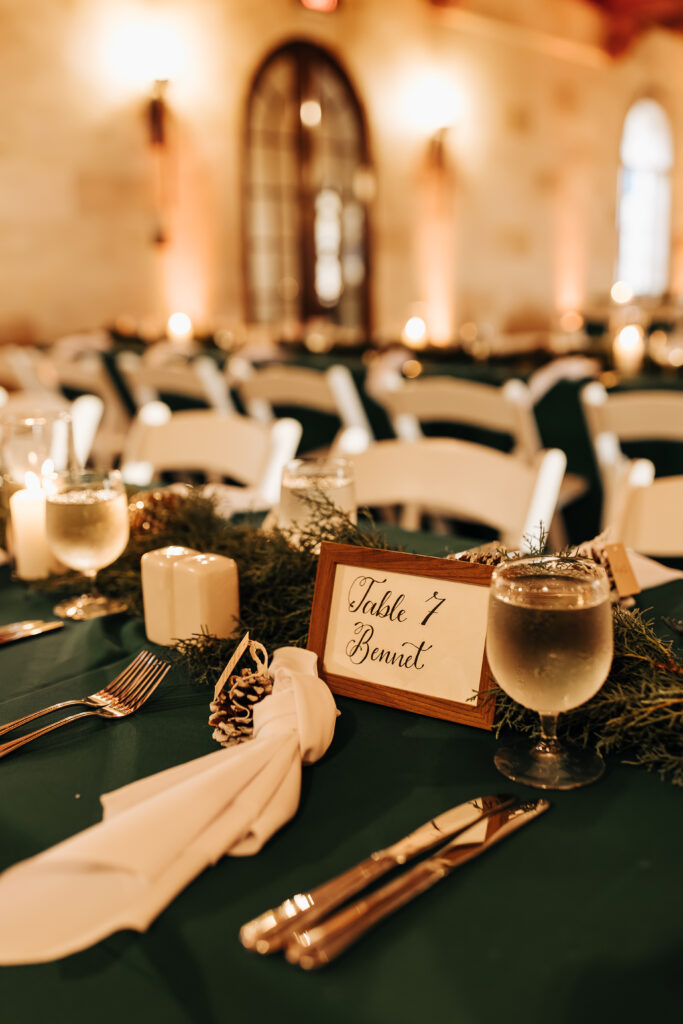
629, 349
415, 332
428, 99
321, 6
179, 327
310, 113
621, 292
411, 369
571, 321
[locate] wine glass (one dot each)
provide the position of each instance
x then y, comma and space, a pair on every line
87, 525
549, 644
310, 479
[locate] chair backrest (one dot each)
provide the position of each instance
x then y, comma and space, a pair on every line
467, 481
216, 443
329, 391
648, 512
507, 409
86, 416
87, 373
199, 378
613, 418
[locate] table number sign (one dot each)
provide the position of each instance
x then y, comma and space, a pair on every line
404, 630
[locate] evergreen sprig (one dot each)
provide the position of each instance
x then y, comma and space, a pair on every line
638, 713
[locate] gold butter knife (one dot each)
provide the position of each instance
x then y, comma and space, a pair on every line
319, 945
30, 627
271, 930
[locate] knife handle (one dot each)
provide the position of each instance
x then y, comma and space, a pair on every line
269, 932
314, 948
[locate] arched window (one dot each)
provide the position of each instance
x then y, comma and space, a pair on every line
644, 215
305, 185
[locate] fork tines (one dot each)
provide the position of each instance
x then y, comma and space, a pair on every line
138, 680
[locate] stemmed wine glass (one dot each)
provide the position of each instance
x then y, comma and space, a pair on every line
87, 525
549, 645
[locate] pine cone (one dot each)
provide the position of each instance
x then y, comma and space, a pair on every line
232, 713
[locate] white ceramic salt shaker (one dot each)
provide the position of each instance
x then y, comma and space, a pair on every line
157, 591
205, 595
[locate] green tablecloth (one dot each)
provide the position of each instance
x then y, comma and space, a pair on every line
575, 918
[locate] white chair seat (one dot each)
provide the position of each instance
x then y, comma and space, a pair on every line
466, 481
331, 391
214, 443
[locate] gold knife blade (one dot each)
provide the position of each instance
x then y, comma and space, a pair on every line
318, 946
269, 932
31, 627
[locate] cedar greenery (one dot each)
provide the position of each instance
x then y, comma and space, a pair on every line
638, 713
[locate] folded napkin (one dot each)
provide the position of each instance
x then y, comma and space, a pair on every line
159, 833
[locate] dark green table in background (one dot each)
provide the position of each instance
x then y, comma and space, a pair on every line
575, 918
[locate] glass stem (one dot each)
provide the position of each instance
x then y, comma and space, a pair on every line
548, 743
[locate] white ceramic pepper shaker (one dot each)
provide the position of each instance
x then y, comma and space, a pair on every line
205, 595
157, 592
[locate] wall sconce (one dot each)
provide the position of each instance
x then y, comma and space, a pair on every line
156, 114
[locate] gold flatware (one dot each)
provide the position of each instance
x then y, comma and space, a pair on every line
120, 698
271, 930
318, 946
31, 627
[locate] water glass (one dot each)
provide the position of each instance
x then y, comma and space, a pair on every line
314, 487
549, 644
87, 528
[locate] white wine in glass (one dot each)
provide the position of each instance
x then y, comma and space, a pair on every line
87, 529
549, 645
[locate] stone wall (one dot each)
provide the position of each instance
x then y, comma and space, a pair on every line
531, 105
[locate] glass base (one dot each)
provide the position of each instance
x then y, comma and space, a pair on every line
88, 606
556, 767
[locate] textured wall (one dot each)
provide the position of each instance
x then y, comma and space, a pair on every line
535, 111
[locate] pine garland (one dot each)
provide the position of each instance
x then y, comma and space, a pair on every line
638, 713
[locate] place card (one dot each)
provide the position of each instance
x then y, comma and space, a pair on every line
621, 570
404, 630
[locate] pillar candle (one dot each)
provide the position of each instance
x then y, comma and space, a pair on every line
205, 595
32, 555
157, 592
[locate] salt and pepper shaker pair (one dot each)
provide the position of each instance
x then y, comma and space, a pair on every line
186, 593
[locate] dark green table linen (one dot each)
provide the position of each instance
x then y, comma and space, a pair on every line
575, 918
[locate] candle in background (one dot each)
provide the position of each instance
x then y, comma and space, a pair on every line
31, 552
179, 328
628, 349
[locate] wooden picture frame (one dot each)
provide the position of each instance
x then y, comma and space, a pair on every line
430, 611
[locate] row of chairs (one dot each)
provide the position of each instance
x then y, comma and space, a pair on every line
611, 419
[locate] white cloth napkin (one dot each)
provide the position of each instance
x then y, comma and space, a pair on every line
159, 833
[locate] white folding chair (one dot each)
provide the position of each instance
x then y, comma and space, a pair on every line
647, 513
613, 418
200, 378
88, 374
330, 391
466, 481
505, 410
215, 443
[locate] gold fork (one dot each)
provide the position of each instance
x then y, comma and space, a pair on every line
138, 690
116, 688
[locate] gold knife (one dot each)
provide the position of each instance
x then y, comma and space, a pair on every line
271, 930
318, 946
31, 627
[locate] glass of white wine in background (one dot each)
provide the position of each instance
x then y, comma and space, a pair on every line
87, 529
549, 644
310, 487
